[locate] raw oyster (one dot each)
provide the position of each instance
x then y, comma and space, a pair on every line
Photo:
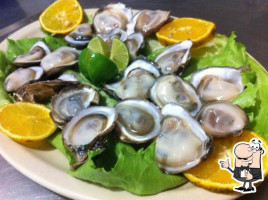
172, 89
116, 32
21, 76
137, 80
114, 15
134, 42
70, 101
80, 36
40, 91
62, 58
38, 51
147, 21
218, 83
182, 143
138, 121
221, 119
174, 58
85, 128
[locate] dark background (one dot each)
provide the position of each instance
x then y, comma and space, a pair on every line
248, 18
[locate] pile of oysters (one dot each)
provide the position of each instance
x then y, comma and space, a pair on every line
155, 103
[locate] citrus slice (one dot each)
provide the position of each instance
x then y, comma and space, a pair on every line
198, 30
61, 17
98, 45
119, 54
208, 173
26, 121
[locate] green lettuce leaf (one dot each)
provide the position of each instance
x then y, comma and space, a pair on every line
121, 166
5, 68
15, 48
56, 140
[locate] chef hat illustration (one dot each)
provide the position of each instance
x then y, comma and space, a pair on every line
255, 145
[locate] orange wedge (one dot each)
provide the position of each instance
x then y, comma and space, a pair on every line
26, 121
198, 30
61, 17
208, 174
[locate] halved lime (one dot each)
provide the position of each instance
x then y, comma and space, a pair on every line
98, 45
119, 54
96, 67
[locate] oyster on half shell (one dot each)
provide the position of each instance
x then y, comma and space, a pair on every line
86, 128
138, 121
174, 58
38, 51
22, 76
70, 101
221, 119
114, 15
182, 143
62, 58
137, 80
147, 21
172, 89
218, 83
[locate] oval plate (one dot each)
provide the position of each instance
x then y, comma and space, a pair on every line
47, 166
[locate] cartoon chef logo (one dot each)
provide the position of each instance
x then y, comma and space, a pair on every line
247, 167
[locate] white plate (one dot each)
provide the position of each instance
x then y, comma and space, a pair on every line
47, 166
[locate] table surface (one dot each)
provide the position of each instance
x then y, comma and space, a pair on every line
248, 18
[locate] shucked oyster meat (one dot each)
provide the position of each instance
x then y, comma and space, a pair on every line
221, 118
182, 143
22, 76
80, 36
86, 128
70, 101
218, 83
174, 58
147, 21
138, 121
114, 15
137, 80
38, 51
172, 89
62, 58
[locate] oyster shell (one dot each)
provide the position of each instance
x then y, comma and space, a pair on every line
221, 119
182, 143
134, 42
172, 89
22, 76
116, 32
40, 91
68, 77
80, 36
70, 101
218, 83
174, 58
114, 15
38, 51
138, 121
62, 58
136, 81
147, 21
85, 128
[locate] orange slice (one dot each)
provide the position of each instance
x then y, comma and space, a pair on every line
26, 121
208, 174
198, 30
61, 17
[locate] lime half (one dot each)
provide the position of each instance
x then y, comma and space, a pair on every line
119, 54
98, 45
